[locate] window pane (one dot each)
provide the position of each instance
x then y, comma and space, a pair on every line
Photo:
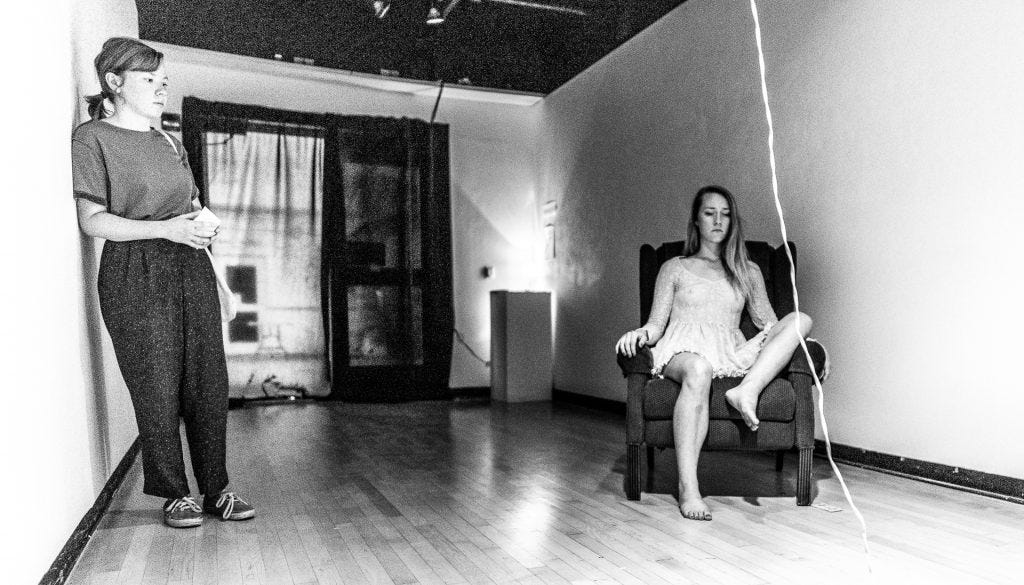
266, 187
242, 282
384, 328
244, 328
382, 224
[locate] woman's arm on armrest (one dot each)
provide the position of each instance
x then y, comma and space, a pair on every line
661, 307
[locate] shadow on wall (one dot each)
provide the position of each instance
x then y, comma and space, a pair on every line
98, 419
584, 173
484, 240
606, 183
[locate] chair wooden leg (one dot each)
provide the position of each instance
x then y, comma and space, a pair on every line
650, 468
633, 472
780, 458
803, 477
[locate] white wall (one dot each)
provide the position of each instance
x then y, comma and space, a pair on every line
492, 146
62, 433
899, 135
109, 413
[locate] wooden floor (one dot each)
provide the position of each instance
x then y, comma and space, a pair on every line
469, 492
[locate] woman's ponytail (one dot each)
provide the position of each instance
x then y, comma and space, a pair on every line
97, 109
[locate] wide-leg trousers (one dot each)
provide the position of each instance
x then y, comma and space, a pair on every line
159, 303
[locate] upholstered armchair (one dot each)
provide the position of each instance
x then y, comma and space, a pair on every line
785, 408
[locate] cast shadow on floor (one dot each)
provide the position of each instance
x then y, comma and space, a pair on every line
132, 518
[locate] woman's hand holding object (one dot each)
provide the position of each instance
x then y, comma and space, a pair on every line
183, 229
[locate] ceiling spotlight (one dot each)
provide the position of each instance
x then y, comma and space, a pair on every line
434, 15
381, 7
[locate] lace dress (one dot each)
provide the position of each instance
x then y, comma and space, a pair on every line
702, 316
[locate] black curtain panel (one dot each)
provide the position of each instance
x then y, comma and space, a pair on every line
385, 266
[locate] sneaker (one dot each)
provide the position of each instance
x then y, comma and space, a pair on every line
228, 506
182, 513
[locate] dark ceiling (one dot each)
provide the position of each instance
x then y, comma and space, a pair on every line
522, 45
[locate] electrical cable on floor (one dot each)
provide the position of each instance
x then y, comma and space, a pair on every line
458, 336
792, 277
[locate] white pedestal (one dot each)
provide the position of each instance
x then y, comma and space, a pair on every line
521, 362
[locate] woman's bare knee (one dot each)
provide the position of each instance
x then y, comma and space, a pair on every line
689, 370
802, 318
805, 323
697, 373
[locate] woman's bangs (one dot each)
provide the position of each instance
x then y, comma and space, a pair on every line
147, 61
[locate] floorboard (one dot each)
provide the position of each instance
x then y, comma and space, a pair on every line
468, 492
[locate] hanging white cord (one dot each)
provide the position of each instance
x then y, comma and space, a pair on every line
792, 277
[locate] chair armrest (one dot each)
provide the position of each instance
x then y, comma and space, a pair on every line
803, 391
799, 374
637, 371
635, 384
798, 363
641, 363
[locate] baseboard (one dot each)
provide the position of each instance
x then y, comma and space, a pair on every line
236, 402
470, 392
60, 570
589, 401
978, 482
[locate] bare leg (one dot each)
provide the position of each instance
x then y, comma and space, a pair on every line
690, 427
775, 354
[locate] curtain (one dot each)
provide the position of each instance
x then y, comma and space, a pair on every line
268, 182
264, 180
337, 233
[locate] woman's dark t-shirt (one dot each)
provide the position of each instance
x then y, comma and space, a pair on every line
134, 174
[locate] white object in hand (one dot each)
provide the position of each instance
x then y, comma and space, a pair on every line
207, 216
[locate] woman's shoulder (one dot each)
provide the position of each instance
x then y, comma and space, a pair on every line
97, 131
674, 265
172, 137
688, 262
88, 132
179, 147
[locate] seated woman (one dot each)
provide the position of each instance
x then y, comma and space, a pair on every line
694, 331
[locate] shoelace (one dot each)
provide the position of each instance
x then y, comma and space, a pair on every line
228, 499
185, 503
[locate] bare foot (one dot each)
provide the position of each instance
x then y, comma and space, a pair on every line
693, 507
746, 403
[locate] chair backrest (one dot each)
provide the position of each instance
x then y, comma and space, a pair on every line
773, 263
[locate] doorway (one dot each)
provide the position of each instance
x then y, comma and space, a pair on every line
387, 259
339, 248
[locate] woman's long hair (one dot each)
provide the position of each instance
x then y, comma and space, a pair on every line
734, 251
119, 54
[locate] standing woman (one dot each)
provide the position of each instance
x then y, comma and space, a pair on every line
694, 331
157, 288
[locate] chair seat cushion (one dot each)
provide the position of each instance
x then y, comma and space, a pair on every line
777, 402
727, 435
